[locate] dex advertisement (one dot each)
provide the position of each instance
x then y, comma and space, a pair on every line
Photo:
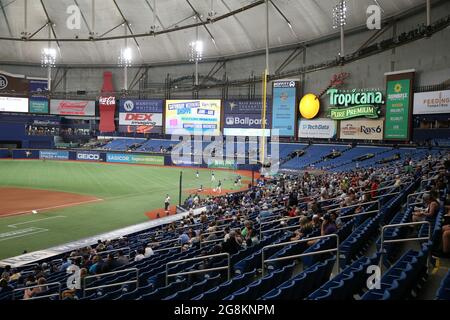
72, 107
362, 129
284, 107
193, 117
321, 128
13, 104
141, 116
432, 102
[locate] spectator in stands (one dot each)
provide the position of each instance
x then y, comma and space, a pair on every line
140, 255
5, 286
76, 293
30, 293
96, 264
431, 210
231, 245
148, 251
305, 228
446, 234
121, 259
328, 225
65, 263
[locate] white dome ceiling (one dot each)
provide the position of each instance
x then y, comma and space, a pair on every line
239, 33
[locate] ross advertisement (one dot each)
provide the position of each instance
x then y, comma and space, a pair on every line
107, 109
72, 107
140, 116
134, 158
193, 116
245, 106
398, 91
54, 155
38, 105
432, 102
284, 107
321, 128
88, 156
13, 104
361, 129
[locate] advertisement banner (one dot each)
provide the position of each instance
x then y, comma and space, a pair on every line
432, 102
141, 106
134, 158
361, 129
398, 102
15, 83
193, 116
72, 107
89, 156
37, 86
38, 105
246, 106
284, 107
140, 116
245, 121
321, 128
223, 164
54, 155
13, 104
107, 108
367, 111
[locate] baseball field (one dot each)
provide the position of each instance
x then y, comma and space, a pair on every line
74, 200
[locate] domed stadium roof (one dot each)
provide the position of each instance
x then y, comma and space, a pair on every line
237, 26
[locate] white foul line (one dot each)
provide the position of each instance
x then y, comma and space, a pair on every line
31, 221
38, 230
49, 208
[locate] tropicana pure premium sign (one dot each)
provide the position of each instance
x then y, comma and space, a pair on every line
355, 103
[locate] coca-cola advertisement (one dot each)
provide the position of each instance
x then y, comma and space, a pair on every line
72, 107
107, 104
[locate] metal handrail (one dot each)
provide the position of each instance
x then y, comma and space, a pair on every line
399, 225
199, 271
357, 214
116, 250
112, 284
167, 249
302, 254
279, 220
278, 229
357, 205
412, 195
386, 194
38, 286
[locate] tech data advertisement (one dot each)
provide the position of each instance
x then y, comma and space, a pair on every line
194, 117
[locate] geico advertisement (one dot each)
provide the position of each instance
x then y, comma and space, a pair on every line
89, 156
362, 129
193, 117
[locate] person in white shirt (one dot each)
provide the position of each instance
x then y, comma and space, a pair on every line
140, 255
148, 251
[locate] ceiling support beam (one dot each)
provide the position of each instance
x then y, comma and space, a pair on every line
213, 71
6, 18
241, 25
111, 30
128, 27
83, 17
204, 26
294, 54
50, 23
376, 35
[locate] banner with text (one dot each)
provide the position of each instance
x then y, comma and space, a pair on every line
361, 129
134, 158
38, 105
398, 106
321, 128
284, 107
141, 116
54, 155
432, 102
72, 107
13, 104
193, 116
107, 109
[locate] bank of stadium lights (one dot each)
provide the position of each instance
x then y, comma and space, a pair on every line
340, 14
125, 57
48, 57
196, 51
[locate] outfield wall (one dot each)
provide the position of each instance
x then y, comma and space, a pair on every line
118, 157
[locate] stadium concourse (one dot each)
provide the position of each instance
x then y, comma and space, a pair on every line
224, 153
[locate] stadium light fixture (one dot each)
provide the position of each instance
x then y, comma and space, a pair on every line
340, 14
196, 51
126, 57
48, 57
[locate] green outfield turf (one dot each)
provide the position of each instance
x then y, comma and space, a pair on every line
128, 191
